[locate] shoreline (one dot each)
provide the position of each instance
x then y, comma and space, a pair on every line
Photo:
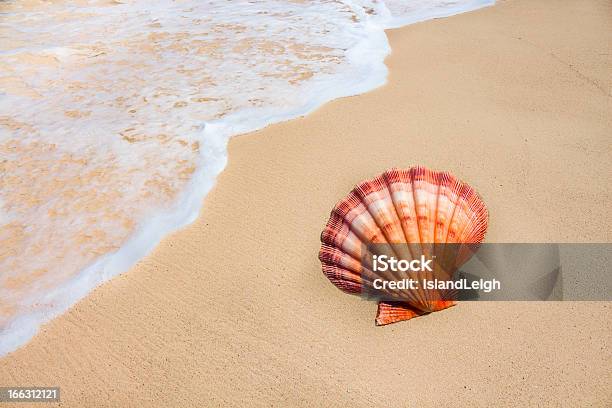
365, 71
284, 334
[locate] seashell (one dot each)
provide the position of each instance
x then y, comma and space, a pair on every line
416, 208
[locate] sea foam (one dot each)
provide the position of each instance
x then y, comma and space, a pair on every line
115, 115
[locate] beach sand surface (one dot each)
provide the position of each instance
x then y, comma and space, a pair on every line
234, 309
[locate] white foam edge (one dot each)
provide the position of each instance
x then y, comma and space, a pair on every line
368, 56
397, 22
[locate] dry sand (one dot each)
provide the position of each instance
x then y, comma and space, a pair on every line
234, 309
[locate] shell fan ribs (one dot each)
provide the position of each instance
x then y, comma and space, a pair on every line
411, 211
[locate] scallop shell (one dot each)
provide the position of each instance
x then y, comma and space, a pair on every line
415, 206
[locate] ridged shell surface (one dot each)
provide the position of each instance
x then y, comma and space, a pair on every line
414, 206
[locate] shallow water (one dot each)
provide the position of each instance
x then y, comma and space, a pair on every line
114, 117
